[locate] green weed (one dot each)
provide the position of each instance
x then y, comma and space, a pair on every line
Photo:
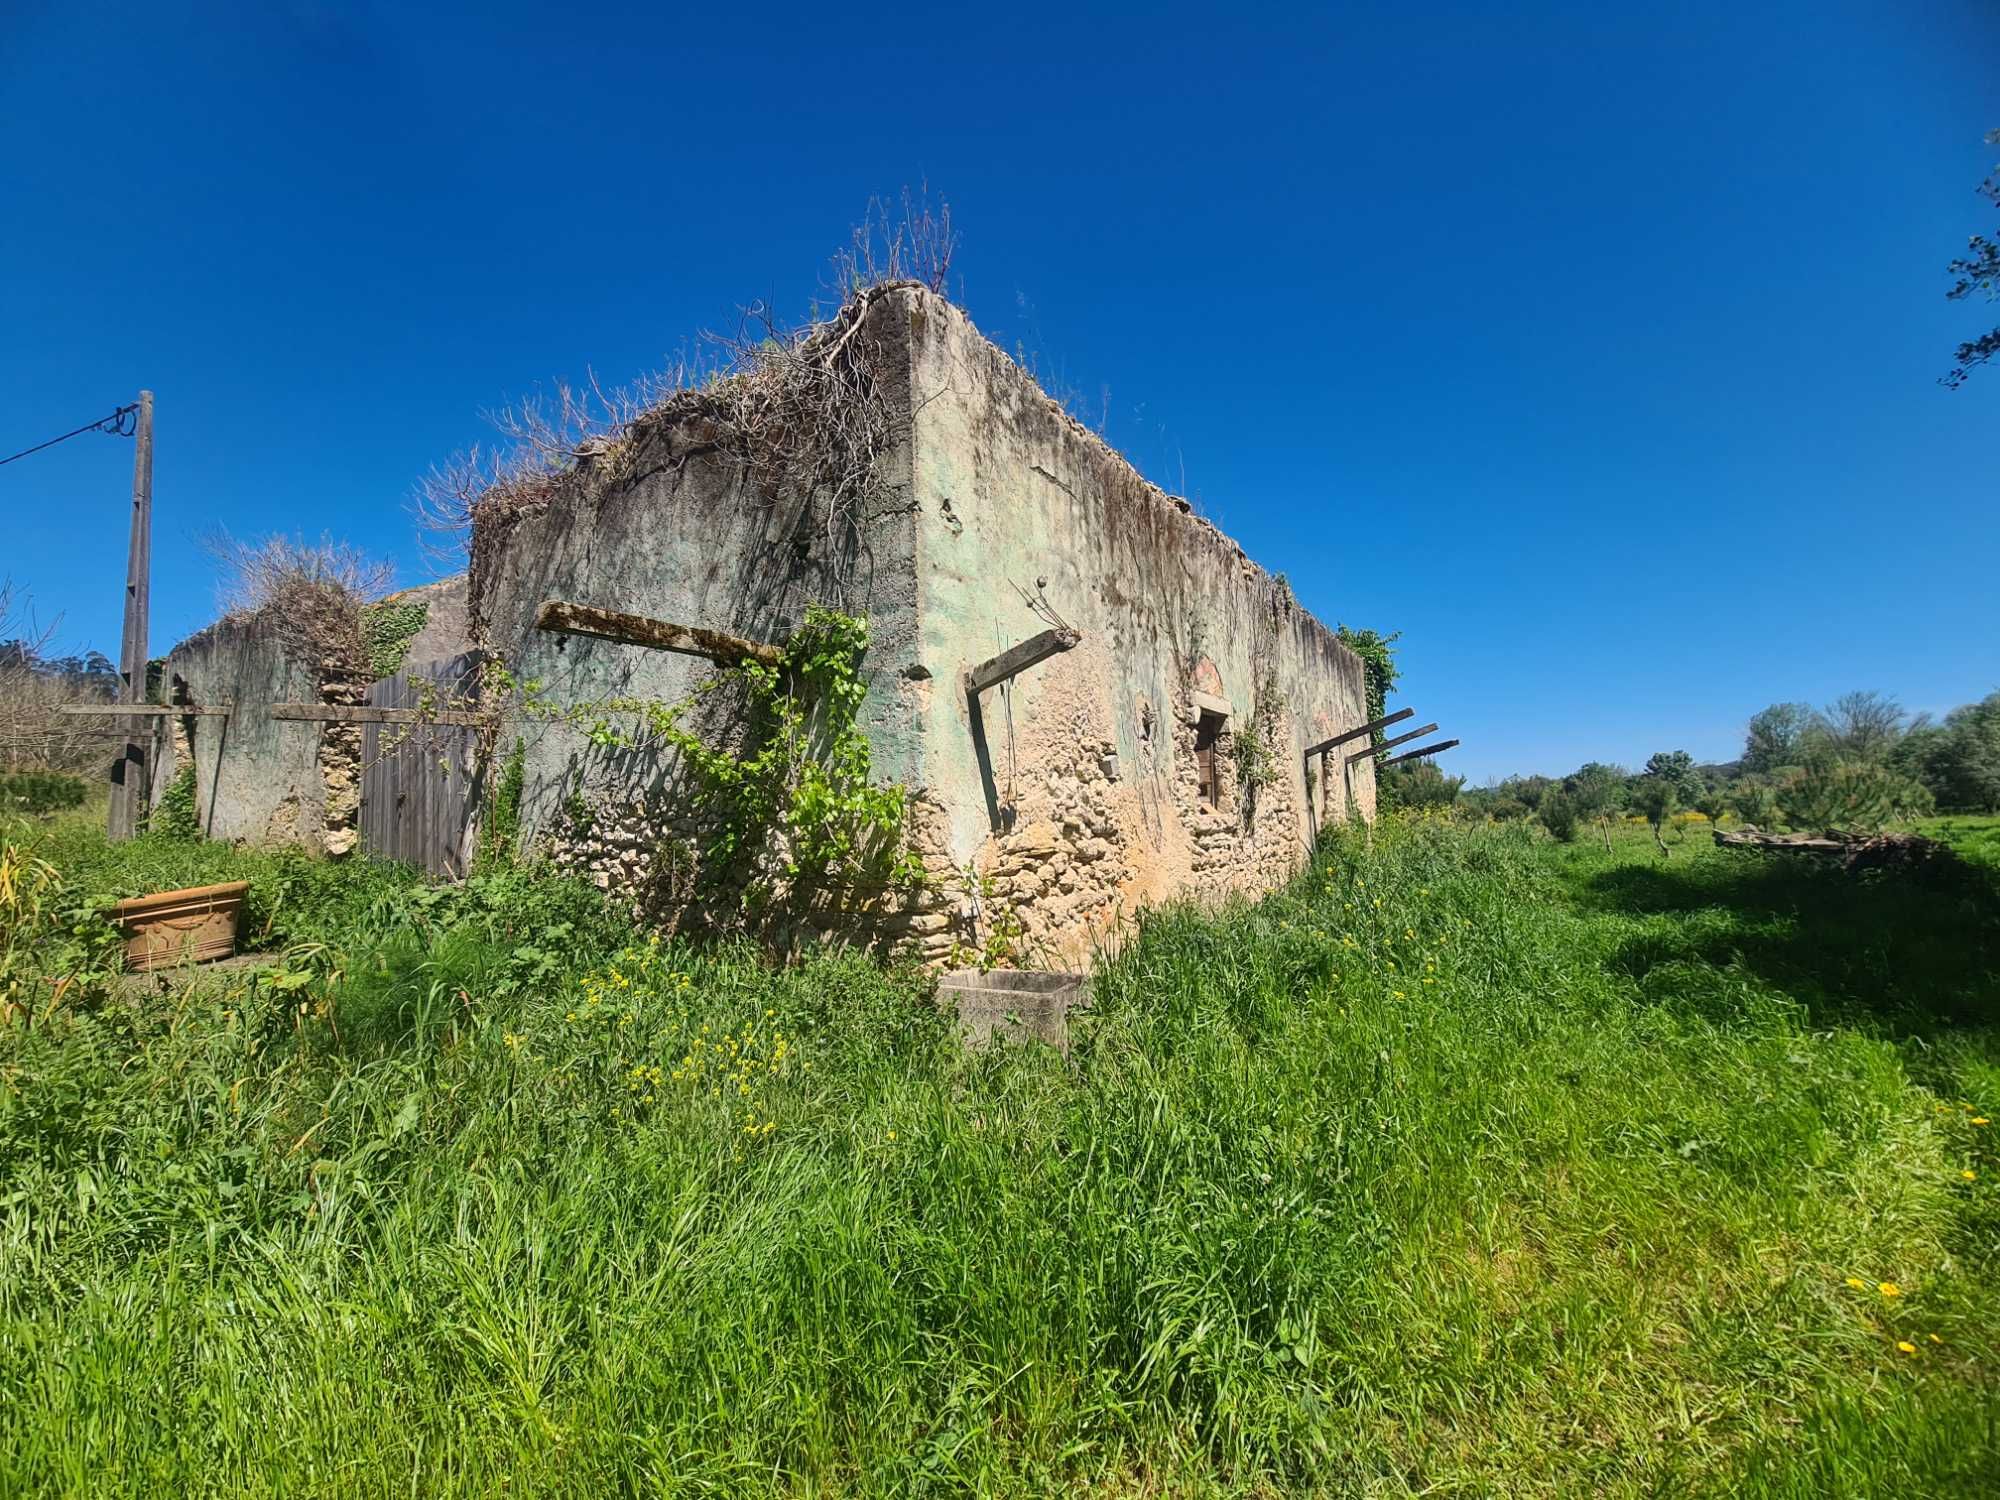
1470, 1163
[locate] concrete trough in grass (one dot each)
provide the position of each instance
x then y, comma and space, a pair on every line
1014, 1004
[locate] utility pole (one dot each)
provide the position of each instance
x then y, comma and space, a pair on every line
128, 776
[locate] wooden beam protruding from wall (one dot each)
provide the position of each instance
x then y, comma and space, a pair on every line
1401, 739
1017, 659
658, 635
1354, 734
145, 710
355, 713
1417, 754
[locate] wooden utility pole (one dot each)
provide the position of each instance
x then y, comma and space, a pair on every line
128, 776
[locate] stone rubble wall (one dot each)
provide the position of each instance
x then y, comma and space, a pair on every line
1084, 805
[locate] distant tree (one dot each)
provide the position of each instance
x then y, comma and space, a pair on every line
1676, 768
1958, 761
1526, 790
1654, 798
1776, 737
1862, 726
1421, 786
1978, 270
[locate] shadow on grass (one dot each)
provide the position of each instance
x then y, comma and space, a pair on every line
1919, 955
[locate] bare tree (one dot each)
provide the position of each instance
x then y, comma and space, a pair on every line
1863, 726
34, 689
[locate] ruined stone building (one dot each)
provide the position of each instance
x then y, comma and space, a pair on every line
1162, 752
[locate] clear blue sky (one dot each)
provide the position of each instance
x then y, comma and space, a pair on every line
1593, 346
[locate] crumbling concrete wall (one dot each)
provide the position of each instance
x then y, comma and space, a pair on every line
1075, 794
1072, 799
675, 526
257, 779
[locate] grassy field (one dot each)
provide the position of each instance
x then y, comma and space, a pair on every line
1471, 1163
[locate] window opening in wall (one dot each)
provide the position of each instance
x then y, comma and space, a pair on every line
1208, 730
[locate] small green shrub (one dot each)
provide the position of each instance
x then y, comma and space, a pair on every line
37, 792
176, 816
1559, 814
498, 845
1755, 803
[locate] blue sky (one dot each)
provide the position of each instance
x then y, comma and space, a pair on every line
1594, 347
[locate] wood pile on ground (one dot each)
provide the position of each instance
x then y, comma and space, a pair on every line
1854, 851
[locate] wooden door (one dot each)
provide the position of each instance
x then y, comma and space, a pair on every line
418, 780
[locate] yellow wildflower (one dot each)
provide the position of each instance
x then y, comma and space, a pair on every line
1906, 1346
1969, 1175
1857, 1283
1889, 1289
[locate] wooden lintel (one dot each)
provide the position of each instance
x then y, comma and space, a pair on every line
1420, 752
658, 635
358, 713
1354, 734
145, 710
1401, 739
1017, 659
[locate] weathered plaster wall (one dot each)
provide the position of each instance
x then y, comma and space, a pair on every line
1090, 755
257, 779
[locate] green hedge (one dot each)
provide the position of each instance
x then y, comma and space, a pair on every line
40, 791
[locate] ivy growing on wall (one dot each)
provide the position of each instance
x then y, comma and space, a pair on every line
386, 632
788, 807
1378, 664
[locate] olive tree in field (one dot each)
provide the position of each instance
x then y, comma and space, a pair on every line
1978, 270
1597, 791
1676, 768
1714, 804
1654, 797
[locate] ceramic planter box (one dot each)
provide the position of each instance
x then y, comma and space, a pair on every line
171, 927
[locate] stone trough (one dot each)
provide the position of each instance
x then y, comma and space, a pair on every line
1014, 1004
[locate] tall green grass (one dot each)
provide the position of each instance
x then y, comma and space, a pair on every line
1467, 1163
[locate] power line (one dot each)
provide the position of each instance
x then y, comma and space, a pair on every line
118, 424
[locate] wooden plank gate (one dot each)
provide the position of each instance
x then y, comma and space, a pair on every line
418, 779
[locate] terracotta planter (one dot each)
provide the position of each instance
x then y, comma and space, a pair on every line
190, 926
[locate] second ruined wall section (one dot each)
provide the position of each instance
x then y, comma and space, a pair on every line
1114, 775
